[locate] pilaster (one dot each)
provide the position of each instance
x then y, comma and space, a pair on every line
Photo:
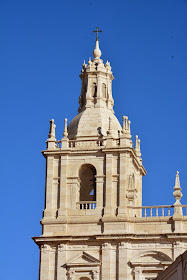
88, 94
99, 98
50, 210
44, 262
106, 261
63, 186
73, 194
61, 259
122, 184
108, 187
123, 258
99, 191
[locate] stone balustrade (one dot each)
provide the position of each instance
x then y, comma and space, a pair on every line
156, 211
84, 205
143, 212
84, 144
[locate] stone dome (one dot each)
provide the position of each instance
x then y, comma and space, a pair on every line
93, 122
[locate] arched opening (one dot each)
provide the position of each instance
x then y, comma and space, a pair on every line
87, 178
104, 90
83, 97
84, 278
94, 90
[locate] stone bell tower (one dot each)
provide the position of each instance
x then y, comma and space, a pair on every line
92, 226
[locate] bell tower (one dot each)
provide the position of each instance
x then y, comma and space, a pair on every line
93, 193
94, 170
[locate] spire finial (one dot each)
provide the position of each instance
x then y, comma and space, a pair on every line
97, 31
97, 52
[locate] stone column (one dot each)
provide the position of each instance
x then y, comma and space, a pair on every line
122, 261
106, 261
138, 273
49, 207
63, 186
122, 184
44, 262
108, 186
61, 259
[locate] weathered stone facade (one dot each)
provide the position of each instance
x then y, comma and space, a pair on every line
94, 224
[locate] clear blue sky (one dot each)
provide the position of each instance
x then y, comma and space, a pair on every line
43, 45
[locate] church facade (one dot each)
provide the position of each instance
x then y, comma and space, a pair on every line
94, 226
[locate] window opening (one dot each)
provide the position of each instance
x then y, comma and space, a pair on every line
87, 178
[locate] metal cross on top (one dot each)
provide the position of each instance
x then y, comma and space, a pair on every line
97, 31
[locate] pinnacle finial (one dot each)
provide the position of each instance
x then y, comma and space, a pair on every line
177, 181
129, 127
52, 130
177, 189
123, 129
137, 146
177, 194
65, 134
84, 64
126, 125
